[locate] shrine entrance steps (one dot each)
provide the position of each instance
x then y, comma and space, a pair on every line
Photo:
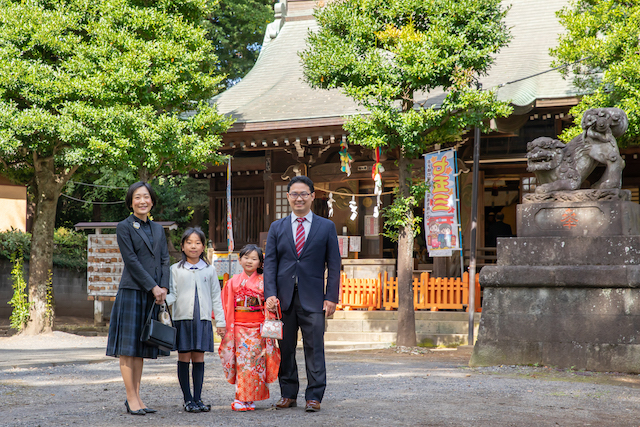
433, 327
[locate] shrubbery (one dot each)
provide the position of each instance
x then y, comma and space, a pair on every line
69, 247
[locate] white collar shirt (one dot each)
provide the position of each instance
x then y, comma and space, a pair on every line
198, 266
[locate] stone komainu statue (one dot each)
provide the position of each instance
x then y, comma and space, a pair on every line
563, 167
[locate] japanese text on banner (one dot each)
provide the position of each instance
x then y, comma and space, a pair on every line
441, 216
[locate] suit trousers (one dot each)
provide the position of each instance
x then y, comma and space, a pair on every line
312, 326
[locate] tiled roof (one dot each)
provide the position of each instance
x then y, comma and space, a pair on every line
535, 30
274, 89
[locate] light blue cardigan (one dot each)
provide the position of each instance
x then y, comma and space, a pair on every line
182, 293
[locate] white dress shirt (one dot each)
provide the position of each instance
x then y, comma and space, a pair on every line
306, 224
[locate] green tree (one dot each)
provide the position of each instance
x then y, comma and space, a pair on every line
237, 28
114, 82
386, 54
601, 43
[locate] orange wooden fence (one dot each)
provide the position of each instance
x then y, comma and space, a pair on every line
428, 293
360, 293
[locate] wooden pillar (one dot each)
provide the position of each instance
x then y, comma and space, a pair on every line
212, 209
98, 312
440, 268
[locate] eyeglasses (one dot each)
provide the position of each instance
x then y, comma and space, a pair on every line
304, 195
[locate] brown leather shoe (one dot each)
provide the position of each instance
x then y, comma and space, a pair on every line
312, 406
286, 403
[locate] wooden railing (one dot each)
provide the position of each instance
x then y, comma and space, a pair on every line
429, 293
360, 293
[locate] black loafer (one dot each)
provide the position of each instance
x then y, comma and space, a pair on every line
202, 406
190, 406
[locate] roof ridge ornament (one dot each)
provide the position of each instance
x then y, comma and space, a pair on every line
280, 9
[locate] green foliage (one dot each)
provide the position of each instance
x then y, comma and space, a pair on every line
399, 214
109, 204
390, 56
119, 82
14, 242
19, 301
69, 247
179, 197
49, 303
182, 199
387, 53
236, 28
603, 36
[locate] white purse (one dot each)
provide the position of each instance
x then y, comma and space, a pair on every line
272, 328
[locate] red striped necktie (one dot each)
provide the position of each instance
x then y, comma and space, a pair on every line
300, 235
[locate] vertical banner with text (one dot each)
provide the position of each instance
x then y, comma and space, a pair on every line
229, 221
440, 214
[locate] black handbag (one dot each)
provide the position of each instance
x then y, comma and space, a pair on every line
157, 334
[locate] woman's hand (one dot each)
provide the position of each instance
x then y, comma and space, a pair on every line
221, 332
272, 304
159, 293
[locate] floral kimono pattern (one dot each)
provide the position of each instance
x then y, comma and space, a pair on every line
248, 360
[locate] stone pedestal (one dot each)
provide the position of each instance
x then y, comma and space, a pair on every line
368, 268
567, 299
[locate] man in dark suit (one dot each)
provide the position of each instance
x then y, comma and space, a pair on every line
299, 248
498, 228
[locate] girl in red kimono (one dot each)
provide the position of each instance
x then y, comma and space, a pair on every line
248, 360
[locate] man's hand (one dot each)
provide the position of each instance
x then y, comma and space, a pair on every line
272, 304
329, 308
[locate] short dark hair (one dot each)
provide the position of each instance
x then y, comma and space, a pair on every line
445, 226
499, 216
132, 189
303, 179
247, 249
188, 232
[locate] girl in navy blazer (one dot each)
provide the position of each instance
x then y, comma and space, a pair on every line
144, 282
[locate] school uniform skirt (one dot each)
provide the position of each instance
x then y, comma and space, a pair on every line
128, 317
195, 334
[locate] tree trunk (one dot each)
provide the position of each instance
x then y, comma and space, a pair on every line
406, 313
46, 191
143, 174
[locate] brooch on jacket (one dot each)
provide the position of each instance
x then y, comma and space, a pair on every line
136, 225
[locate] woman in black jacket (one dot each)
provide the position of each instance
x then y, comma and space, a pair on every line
144, 282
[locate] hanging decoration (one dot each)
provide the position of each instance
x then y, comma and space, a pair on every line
354, 208
376, 174
330, 203
229, 221
345, 158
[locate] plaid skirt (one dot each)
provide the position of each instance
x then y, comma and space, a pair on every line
128, 316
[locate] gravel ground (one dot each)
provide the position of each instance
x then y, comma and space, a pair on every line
374, 387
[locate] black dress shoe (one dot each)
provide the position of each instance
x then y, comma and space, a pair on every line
190, 406
138, 412
202, 406
149, 410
